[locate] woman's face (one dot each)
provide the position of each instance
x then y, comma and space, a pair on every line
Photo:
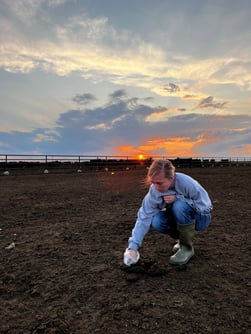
161, 183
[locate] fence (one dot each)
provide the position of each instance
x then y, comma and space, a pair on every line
13, 163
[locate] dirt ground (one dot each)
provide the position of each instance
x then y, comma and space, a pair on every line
64, 273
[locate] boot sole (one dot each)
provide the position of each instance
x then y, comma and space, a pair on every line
181, 263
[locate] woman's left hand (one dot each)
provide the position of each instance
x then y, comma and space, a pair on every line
169, 199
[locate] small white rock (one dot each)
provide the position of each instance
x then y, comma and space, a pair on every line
12, 245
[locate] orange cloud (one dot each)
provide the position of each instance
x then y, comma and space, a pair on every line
129, 150
173, 147
244, 149
210, 137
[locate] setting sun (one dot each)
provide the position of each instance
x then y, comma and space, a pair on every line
141, 157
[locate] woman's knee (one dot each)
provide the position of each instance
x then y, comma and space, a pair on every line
202, 221
179, 206
159, 222
182, 212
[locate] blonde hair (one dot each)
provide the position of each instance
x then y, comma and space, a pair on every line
160, 166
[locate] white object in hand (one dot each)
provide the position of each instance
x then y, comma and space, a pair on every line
129, 259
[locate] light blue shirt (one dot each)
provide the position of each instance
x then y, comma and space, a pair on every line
185, 188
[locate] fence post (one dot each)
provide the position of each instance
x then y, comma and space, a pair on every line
79, 163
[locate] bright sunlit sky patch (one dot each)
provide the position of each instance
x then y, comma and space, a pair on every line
113, 77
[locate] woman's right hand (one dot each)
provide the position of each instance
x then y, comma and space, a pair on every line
131, 256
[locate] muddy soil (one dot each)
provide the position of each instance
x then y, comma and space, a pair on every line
62, 238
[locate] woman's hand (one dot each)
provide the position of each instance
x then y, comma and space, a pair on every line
169, 199
131, 256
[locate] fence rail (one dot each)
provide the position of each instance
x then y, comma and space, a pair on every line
10, 163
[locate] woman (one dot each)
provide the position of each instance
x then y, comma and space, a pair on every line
176, 204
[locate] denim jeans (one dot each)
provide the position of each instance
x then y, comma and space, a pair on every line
182, 213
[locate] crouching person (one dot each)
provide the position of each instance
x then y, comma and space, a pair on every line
177, 205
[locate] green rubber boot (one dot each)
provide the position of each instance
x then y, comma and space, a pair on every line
186, 251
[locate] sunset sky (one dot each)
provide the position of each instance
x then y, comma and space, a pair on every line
115, 77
